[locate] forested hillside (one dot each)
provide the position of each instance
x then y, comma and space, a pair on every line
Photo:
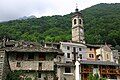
101, 22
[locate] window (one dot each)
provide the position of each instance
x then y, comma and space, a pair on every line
90, 49
74, 21
95, 66
18, 64
80, 55
67, 70
58, 46
107, 56
68, 55
40, 66
74, 49
41, 56
19, 56
68, 48
79, 49
91, 56
30, 56
39, 75
81, 30
79, 21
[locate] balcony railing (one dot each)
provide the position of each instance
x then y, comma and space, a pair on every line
118, 71
110, 71
87, 70
103, 71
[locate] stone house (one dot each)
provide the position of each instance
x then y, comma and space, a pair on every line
32, 58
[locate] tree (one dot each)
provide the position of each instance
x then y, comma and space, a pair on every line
95, 77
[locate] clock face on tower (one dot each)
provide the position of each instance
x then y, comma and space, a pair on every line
81, 30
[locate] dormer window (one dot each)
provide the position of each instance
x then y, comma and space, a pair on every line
74, 21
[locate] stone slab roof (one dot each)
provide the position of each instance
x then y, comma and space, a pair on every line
33, 49
29, 47
98, 62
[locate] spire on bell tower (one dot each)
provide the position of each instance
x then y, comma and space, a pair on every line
76, 10
77, 27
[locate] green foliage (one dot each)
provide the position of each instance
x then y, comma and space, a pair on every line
90, 77
95, 77
101, 22
14, 75
28, 79
17, 76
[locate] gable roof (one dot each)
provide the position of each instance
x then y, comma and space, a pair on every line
106, 48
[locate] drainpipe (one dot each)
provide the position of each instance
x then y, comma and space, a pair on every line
77, 69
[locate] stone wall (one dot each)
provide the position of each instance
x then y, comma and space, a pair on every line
32, 65
4, 66
65, 76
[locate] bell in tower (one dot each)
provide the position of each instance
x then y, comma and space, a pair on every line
77, 27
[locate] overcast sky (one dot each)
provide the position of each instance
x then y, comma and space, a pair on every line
13, 9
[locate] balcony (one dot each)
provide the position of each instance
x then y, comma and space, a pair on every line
103, 71
87, 70
32, 65
110, 71
118, 71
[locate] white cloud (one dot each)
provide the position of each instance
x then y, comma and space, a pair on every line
12, 9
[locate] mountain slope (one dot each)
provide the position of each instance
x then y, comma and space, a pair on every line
101, 22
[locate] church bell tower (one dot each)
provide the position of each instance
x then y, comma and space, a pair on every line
77, 27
